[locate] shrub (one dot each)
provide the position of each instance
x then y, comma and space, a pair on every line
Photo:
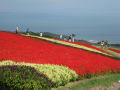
59, 75
23, 78
88, 75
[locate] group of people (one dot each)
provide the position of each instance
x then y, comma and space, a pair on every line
104, 44
70, 38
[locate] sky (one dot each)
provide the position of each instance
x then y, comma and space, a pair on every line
89, 19
66, 7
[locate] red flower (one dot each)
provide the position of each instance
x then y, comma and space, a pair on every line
30, 50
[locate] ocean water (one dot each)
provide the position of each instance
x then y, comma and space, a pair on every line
86, 27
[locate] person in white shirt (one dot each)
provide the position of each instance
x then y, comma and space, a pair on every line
41, 34
60, 36
16, 30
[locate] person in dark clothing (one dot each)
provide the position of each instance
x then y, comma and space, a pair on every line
27, 31
106, 44
102, 44
73, 38
69, 38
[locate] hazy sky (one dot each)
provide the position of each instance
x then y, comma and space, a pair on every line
65, 7
89, 19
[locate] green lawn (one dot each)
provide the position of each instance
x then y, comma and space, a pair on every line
105, 80
118, 89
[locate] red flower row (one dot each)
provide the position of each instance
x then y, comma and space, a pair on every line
115, 50
26, 49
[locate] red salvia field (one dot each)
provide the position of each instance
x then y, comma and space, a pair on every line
88, 45
30, 50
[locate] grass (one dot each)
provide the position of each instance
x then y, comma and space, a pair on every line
105, 80
118, 89
115, 47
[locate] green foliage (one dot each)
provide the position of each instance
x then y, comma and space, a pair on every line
36, 34
118, 71
50, 35
60, 75
96, 74
22, 78
88, 75
118, 89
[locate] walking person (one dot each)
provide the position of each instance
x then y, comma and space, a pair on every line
102, 44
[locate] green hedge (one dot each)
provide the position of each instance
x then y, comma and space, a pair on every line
23, 78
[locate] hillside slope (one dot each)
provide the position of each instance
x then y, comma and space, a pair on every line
26, 49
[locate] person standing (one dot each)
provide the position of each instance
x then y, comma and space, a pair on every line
16, 30
27, 31
102, 44
69, 38
41, 34
73, 38
106, 44
60, 36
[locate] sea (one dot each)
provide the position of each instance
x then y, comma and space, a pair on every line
93, 28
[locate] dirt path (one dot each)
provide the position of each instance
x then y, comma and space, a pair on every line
114, 86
